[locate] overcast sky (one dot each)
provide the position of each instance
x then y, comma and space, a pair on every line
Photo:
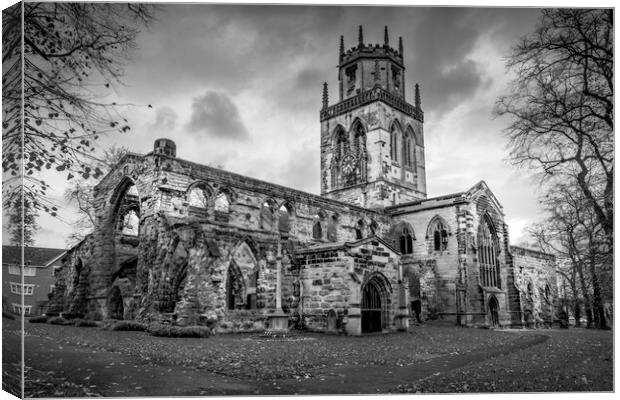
240, 86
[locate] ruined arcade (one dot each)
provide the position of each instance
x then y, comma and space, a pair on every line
188, 244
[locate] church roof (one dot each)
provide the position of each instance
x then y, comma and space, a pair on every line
447, 199
342, 245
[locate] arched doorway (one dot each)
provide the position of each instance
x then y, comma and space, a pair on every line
115, 304
371, 308
332, 322
494, 311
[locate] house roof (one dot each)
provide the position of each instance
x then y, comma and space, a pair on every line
33, 256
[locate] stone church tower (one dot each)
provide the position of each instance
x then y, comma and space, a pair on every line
372, 140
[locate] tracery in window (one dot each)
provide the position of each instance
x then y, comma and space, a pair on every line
488, 246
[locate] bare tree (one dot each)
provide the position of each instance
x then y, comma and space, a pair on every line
573, 233
80, 194
561, 104
73, 54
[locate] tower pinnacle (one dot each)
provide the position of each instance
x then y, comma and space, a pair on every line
325, 96
386, 37
418, 101
400, 45
341, 46
360, 37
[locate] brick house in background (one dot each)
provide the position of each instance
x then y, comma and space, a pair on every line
39, 264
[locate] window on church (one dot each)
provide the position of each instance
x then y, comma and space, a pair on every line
342, 143
332, 229
360, 229
530, 290
547, 292
350, 74
222, 203
406, 240
394, 134
487, 254
317, 231
396, 77
439, 233
284, 219
266, 216
198, 197
373, 228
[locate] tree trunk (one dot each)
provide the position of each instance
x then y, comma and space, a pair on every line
586, 295
598, 309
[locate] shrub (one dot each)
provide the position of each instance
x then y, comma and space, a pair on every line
179, 331
128, 326
41, 319
8, 315
59, 321
87, 323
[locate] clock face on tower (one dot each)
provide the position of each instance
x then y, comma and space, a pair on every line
348, 168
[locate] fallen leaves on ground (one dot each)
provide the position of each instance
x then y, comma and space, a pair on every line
571, 360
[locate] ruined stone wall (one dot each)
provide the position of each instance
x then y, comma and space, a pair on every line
536, 283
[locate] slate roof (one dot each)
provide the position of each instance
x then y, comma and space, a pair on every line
34, 256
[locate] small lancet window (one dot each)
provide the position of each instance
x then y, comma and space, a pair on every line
406, 241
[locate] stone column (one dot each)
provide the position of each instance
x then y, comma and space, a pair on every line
278, 320
402, 316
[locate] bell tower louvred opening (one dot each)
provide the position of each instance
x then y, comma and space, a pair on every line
361, 162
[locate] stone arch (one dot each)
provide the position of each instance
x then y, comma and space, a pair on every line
332, 321
493, 310
267, 214
125, 197
245, 267
403, 235
375, 302
199, 194
437, 233
235, 288
286, 217
319, 225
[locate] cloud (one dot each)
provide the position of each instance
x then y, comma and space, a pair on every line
165, 119
216, 115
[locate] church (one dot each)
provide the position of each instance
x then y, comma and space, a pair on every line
183, 243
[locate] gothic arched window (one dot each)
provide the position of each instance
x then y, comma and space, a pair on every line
360, 229
438, 233
409, 149
332, 229
235, 288
374, 227
360, 149
394, 133
266, 215
342, 143
406, 241
317, 228
284, 218
488, 248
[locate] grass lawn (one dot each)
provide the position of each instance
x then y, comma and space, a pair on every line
571, 360
243, 356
